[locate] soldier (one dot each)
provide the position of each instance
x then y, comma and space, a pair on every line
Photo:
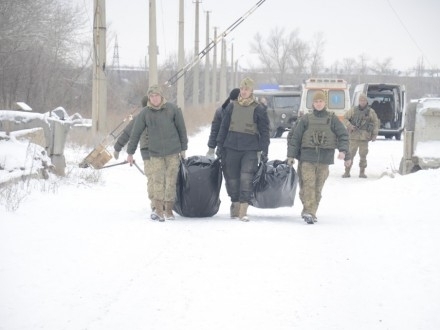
123, 140
216, 122
167, 140
363, 126
243, 136
313, 143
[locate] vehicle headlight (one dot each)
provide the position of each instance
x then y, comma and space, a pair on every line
283, 116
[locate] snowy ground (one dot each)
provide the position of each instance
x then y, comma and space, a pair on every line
88, 257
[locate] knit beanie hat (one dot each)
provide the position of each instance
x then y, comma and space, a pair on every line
363, 96
155, 89
233, 95
247, 83
319, 95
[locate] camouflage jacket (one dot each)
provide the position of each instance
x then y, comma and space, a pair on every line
362, 124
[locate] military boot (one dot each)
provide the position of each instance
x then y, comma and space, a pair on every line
169, 215
347, 172
242, 215
158, 204
235, 209
362, 173
153, 214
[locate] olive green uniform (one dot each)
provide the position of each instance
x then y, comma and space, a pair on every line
313, 142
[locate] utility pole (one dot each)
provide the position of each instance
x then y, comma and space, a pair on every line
152, 47
222, 89
206, 89
99, 93
181, 58
214, 70
232, 85
196, 51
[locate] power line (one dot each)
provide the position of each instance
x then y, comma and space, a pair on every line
409, 34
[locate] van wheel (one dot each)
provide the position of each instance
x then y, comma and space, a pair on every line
398, 136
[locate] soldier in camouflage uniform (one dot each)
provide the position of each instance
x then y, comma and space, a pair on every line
167, 143
363, 126
243, 138
313, 143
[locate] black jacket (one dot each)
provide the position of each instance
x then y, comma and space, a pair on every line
215, 127
243, 141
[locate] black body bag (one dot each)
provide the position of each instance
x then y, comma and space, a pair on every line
198, 187
274, 185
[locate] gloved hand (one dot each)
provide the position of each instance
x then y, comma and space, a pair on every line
211, 153
351, 128
259, 156
116, 154
290, 161
264, 157
182, 154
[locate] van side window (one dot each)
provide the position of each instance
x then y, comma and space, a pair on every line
336, 99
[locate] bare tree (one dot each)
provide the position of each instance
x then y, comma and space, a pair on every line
276, 53
38, 43
384, 67
316, 58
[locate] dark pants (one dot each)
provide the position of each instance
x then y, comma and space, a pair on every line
239, 168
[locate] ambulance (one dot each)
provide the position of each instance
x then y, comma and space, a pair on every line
337, 93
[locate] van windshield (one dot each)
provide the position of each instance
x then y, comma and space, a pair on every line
336, 99
286, 102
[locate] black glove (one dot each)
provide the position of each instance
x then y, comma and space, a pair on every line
264, 157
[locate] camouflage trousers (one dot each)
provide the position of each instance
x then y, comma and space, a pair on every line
150, 187
311, 178
163, 171
362, 146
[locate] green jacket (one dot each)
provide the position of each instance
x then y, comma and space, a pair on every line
165, 128
125, 137
316, 154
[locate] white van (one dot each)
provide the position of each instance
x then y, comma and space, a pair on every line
389, 102
337, 92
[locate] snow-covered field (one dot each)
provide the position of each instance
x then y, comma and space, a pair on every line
88, 257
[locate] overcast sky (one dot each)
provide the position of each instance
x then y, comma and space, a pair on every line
405, 30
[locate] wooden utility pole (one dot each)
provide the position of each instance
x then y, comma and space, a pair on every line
99, 93
181, 58
207, 81
231, 77
214, 71
222, 89
152, 47
196, 52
